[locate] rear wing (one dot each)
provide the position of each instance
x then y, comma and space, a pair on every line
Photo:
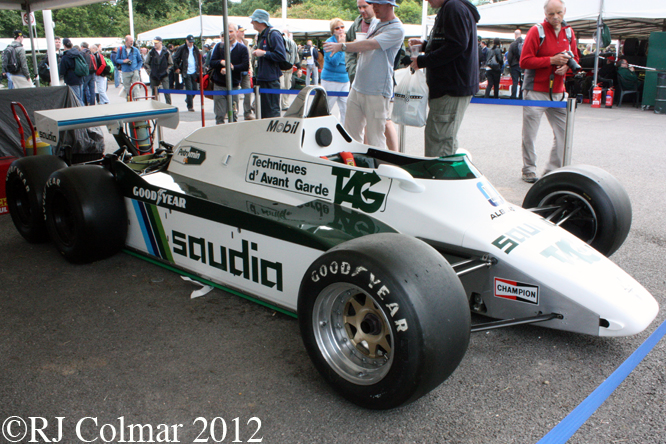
49, 123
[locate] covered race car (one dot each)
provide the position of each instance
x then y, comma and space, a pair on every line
381, 255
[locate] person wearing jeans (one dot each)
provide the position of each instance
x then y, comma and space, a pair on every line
186, 63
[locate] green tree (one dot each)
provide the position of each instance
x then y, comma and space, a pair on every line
9, 22
247, 7
320, 9
409, 11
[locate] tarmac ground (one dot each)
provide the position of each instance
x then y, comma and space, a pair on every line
119, 342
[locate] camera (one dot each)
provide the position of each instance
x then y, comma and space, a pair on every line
571, 63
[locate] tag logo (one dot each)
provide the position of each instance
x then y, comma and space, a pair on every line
357, 190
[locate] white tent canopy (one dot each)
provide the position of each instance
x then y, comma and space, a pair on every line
40, 5
625, 18
212, 25
40, 43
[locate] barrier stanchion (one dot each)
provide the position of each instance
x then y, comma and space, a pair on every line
401, 143
201, 90
257, 102
568, 132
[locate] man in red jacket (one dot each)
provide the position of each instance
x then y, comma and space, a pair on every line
545, 65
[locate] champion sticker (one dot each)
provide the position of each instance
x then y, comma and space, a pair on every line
516, 291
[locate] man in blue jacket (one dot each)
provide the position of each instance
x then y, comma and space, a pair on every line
269, 52
239, 60
130, 61
451, 56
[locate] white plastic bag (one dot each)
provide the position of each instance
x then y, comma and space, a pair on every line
145, 78
410, 106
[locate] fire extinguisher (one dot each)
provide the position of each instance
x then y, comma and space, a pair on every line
609, 98
596, 96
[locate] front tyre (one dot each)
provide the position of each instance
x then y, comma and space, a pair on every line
85, 213
586, 201
25, 184
384, 319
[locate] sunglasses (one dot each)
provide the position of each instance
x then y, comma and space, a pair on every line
339, 27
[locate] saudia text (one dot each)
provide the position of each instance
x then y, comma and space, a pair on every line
238, 263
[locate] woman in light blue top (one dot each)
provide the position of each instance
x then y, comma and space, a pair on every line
334, 76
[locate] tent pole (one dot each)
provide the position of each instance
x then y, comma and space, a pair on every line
131, 18
32, 44
596, 53
201, 73
284, 13
201, 24
227, 62
50, 47
424, 21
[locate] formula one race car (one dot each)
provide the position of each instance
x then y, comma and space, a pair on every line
381, 255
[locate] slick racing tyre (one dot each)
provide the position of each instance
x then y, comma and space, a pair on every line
25, 184
85, 213
586, 201
384, 319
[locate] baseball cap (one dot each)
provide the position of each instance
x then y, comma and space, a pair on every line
260, 16
383, 2
158, 38
18, 34
241, 28
190, 38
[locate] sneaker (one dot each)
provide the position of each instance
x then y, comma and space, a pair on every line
530, 177
249, 117
190, 110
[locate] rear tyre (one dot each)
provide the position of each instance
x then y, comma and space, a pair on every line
586, 201
384, 319
85, 213
26, 178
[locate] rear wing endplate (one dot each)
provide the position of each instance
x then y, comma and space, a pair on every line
50, 122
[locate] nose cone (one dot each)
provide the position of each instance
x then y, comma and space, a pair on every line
629, 310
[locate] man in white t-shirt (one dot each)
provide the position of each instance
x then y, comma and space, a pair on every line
369, 98
311, 55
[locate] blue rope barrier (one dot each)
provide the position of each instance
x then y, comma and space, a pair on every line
221, 92
538, 103
561, 433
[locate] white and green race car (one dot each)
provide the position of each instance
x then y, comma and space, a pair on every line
381, 255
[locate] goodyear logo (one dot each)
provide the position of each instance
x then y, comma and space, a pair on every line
159, 197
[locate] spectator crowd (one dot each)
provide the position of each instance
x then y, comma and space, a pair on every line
355, 65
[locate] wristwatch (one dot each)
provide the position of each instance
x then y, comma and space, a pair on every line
344, 47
